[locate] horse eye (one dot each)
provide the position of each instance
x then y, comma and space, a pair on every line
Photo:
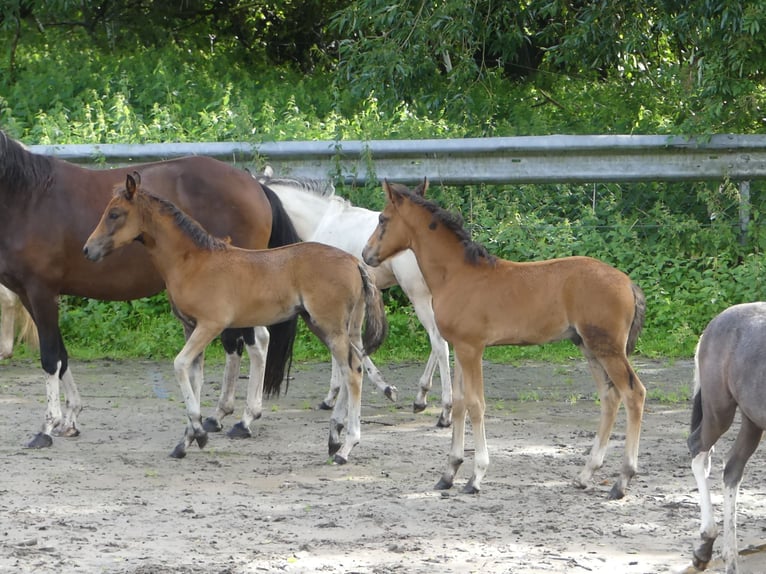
114, 215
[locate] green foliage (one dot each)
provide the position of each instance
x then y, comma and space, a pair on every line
407, 70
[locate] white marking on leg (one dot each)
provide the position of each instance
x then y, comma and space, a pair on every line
257, 353
730, 528
701, 469
53, 401
73, 404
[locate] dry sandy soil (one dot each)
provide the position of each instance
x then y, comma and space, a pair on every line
112, 500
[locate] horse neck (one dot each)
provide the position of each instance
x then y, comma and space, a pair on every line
439, 252
306, 210
163, 238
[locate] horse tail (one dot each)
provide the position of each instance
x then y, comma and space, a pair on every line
27, 328
639, 313
694, 442
281, 335
375, 322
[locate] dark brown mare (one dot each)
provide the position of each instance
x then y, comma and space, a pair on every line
729, 374
49, 206
214, 286
480, 300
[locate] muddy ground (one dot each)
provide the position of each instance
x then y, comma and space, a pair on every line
112, 500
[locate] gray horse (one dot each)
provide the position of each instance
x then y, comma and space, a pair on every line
730, 372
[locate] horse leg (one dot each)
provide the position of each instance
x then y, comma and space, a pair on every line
257, 345
708, 529
335, 384
349, 403
455, 458
609, 399
473, 386
390, 391
744, 446
231, 346
73, 406
439, 356
183, 364
54, 360
7, 313
633, 395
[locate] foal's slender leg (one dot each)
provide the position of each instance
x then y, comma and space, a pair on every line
473, 386
609, 398
633, 394
708, 529
335, 383
457, 448
351, 400
231, 368
194, 347
744, 446
254, 401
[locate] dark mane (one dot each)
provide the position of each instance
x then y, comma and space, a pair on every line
475, 253
187, 224
22, 170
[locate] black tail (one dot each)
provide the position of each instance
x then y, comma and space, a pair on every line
282, 335
375, 322
695, 436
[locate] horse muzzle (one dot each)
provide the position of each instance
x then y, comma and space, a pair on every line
369, 257
95, 251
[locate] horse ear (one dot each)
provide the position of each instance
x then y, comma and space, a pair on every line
137, 177
130, 187
422, 188
389, 191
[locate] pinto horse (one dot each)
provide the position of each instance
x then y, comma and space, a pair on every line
49, 206
730, 370
215, 286
480, 300
320, 215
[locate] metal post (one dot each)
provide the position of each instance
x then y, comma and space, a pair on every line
744, 210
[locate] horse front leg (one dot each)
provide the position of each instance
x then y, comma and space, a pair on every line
457, 448
439, 357
257, 346
183, 365
328, 403
54, 361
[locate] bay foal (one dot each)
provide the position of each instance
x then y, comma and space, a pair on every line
214, 286
480, 300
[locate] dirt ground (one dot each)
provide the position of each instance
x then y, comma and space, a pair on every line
112, 500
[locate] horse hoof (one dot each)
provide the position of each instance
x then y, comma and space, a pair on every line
469, 488
324, 406
391, 393
333, 447
443, 484
239, 430
617, 492
444, 421
201, 438
211, 424
418, 408
41, 440
179, 451
338, 459
70, 432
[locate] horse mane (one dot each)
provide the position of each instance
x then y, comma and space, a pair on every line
190, 227
318, 187
475, 253
21, 169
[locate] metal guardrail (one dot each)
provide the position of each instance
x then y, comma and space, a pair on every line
498, 160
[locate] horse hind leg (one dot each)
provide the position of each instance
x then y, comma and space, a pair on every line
257, 352
232, 346
349, 403
7, 315
744, 446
